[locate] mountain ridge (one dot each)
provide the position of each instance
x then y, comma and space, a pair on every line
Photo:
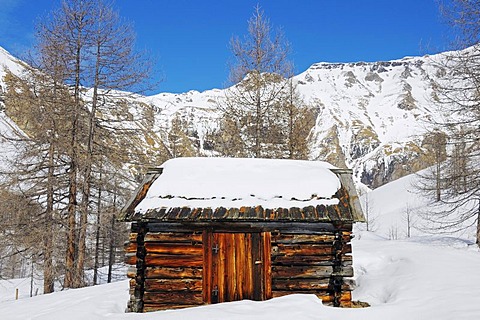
372, 115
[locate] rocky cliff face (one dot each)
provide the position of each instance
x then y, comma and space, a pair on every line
372, 116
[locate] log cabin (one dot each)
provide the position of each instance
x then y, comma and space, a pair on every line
210, 230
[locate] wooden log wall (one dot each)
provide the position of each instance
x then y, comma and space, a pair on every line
318, 264
173, 270
135, 258
166, 268
131, 260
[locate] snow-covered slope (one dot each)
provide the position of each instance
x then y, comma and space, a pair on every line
8, 128
9, 62
372, 116
388, 206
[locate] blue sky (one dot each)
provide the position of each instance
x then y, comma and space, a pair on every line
189, 39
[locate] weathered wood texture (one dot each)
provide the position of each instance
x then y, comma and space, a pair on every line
130, 259
135, 257
189, 268
319, 213
315, 263
173, 270
237, 266
173, 273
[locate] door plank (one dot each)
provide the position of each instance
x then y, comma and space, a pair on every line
248, 267
267, 264
257, 258
239, 240
230, 267
220, 240
207, 267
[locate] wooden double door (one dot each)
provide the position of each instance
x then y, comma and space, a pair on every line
237, 266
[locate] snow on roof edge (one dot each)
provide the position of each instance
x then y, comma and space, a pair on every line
236, 182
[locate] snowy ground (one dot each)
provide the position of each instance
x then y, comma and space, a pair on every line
422, 277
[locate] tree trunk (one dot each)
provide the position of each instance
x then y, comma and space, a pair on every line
71, 221
478, 225
71, 277
31, 277
111, 256
87, 174
97, 236
437, 178
258, 120
48, 275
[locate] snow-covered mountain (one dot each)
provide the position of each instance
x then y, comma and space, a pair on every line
372, 116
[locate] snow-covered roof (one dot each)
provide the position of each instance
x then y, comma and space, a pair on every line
236, 183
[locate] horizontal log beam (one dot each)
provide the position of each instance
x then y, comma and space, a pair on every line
298, 260
252, 226
189, 285
344, 272
304, 250
298, 272
179, 297
309, 272
300, 284
130, 258
307, 249
164, 260
130, 247
168, 273
173, 248
302, 238
306, 285
131, 272
174, 237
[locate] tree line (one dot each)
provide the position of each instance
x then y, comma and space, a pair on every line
67, 179
81, 133
453, 183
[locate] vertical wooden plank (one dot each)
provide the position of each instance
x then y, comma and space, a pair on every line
221, 266
257, 267
249, 285
239, 239
207, 266
267, 265
215, 268
230, 267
